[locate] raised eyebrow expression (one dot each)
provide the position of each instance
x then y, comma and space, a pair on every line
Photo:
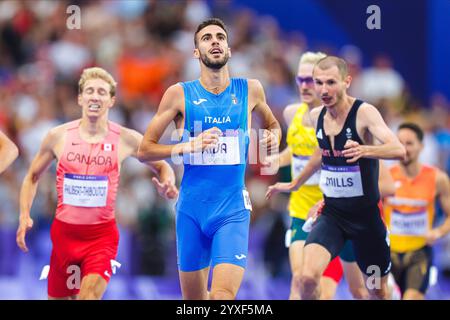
219, 35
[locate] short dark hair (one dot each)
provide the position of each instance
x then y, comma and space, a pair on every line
331, 61
208, 22
413, 127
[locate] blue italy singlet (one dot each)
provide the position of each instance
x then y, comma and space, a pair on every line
213, 205
223, 168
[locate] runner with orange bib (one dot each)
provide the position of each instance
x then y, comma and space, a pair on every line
410, 214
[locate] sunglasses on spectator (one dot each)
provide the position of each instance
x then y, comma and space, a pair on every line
306, 80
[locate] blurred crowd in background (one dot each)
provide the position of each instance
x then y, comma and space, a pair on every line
147, 46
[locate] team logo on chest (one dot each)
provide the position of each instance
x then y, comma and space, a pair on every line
348, 133
199, 101
107, 147
234, 100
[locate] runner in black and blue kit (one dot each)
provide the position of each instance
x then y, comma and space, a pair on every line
213, 208
346, 129
351, 195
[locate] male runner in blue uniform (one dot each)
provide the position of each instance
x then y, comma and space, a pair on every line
347, 130
213, 209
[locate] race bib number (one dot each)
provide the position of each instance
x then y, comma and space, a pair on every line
226, 152
247, 202
85, 190
298, 163
414, 224
341, 182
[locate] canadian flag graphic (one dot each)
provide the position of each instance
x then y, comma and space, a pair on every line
107, 147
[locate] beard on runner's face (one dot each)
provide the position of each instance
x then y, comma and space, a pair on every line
410, 157
214, 64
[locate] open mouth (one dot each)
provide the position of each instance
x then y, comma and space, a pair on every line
216, 51
326, 100
94, 107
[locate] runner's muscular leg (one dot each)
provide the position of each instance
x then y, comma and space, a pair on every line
377, 291
355, 280
226, 281
328, 288
315, 260
194, 284
93, 287
296, 260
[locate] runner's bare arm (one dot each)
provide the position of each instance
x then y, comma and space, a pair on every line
310, 168
39, 165
8, 152
443, 194
165, 183
289, 113
314, 114
285, 156
314, 162
315, 210
272, 134
171, 106
390, 147
386, 182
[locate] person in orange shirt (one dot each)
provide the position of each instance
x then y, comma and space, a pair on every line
410, 214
